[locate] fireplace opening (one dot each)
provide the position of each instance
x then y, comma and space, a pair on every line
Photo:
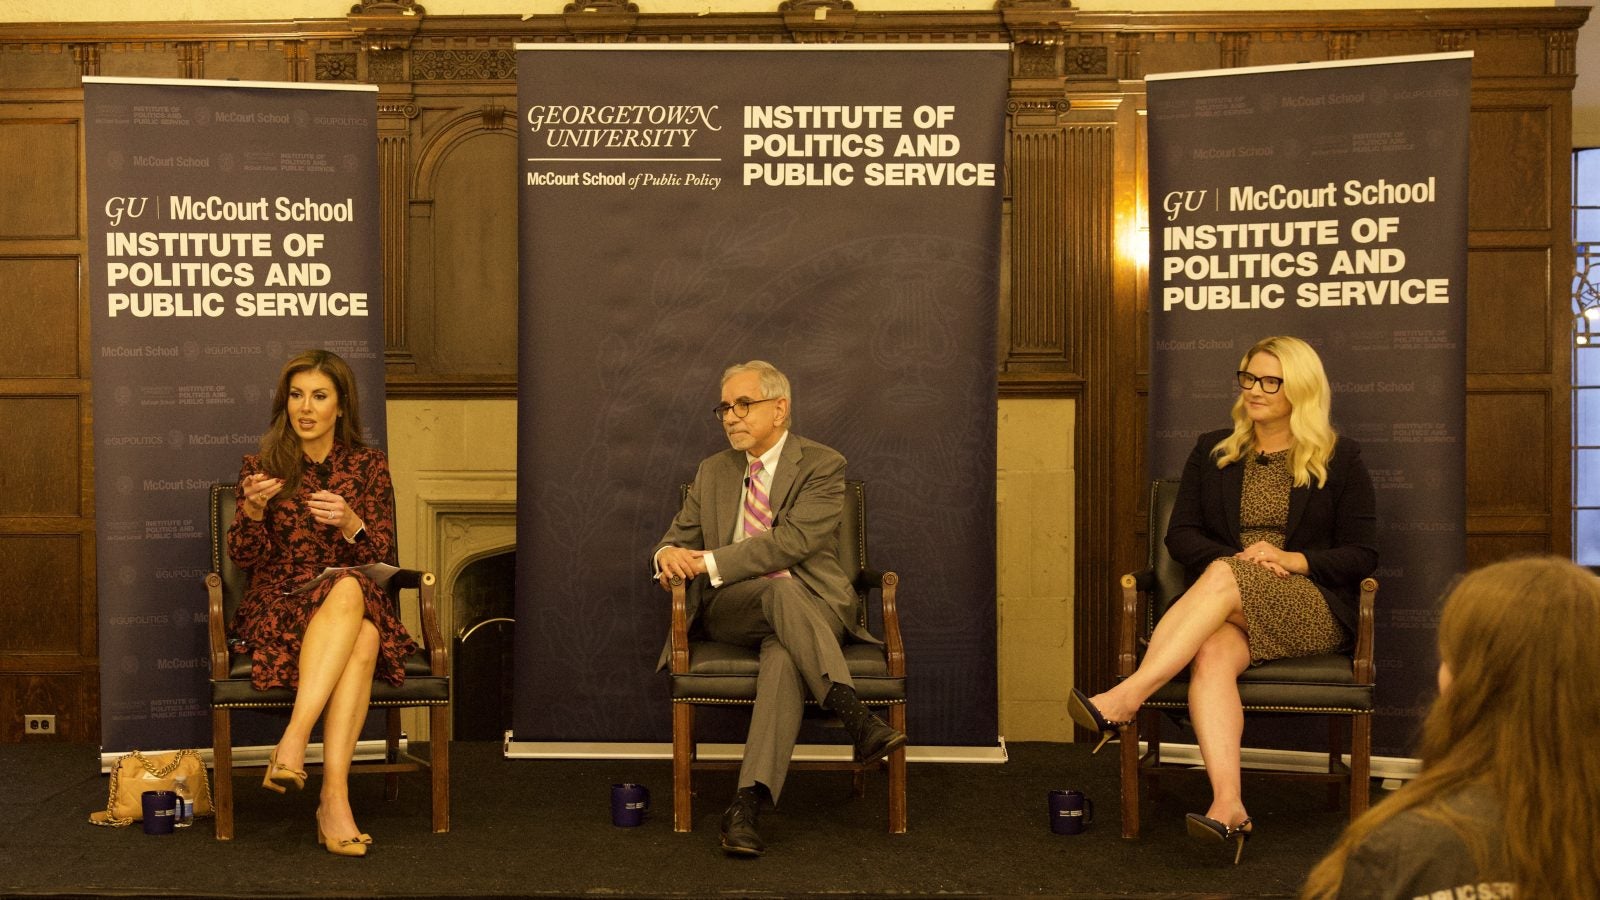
483, 599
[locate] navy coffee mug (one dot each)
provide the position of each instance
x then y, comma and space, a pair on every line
160, 811
629, 803
1070, 812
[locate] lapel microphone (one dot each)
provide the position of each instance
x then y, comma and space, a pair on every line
1263, 460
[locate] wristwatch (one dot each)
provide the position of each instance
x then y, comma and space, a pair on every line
360, 533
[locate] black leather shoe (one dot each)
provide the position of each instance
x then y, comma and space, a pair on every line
876, 740
739, 835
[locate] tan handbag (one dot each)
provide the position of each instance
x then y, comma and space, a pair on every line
136, 773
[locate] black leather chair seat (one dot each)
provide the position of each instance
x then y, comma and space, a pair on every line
1321, 683
421, 687
727, 672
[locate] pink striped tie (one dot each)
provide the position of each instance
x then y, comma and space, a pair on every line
757, 516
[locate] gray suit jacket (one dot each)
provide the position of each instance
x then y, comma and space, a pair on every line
807, 498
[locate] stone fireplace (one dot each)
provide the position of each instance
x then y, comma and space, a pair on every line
454, 462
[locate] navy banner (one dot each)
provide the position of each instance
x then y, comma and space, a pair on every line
835, 211
232, 225
1328, 202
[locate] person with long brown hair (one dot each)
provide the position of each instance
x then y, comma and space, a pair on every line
1508, 800
1275, 524
317, 497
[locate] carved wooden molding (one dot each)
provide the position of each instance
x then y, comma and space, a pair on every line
294, 57
1451, 40
1561, 52
388, 8
1036, 22
1086, 61
394, 174
1036, 59
191, 60
606, 21
1036, 167
386, 24
1128, 59
602, 6
1341, 45
1235, 49
463, 65
818, 21
337, 67
87, 58
386, 66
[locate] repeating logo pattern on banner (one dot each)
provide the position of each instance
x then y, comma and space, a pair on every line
1328, 202
231, 227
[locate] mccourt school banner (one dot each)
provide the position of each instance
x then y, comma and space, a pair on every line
1328, 202
232, 225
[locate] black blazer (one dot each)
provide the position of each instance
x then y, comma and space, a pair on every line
1335, 526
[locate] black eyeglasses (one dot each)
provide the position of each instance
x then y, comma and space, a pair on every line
1269, 383
741, 408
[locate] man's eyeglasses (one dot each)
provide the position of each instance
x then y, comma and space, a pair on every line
1269, 383
741, 408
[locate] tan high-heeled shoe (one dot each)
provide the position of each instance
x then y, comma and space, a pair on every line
280, 778
347, 847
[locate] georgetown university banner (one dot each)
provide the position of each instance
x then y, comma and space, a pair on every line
835, 211
232, 225
1328, 202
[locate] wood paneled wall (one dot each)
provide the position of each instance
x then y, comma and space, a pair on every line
1073, 318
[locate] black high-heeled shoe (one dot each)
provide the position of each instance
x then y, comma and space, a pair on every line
1084, 713
1207, 829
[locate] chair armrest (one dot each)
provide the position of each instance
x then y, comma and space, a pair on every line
1135, 586
217, 629
428, 614
679, 662
1361, 660
894, 646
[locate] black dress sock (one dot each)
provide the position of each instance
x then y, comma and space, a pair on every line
755, 795
844, 703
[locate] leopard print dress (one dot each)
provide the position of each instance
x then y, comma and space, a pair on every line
1286, 616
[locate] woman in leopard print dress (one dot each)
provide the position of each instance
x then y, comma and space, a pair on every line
1275, 522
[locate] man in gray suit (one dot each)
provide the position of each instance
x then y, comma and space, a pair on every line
758, 528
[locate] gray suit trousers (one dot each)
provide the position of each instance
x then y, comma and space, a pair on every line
799, 635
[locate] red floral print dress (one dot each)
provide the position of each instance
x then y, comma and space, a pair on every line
287, 548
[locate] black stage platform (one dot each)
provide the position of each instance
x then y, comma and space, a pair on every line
543, 828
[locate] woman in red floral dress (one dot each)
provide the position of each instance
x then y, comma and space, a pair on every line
317, 497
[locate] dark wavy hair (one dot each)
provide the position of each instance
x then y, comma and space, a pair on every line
281, 455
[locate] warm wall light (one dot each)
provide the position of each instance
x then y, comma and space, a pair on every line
1134, 245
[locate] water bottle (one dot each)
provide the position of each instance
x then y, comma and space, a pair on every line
185, 812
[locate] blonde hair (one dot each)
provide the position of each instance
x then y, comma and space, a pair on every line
1305, 386
1518, 718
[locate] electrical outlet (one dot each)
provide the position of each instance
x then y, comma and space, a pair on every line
39, 723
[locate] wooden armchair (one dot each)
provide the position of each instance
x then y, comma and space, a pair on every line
1336, 685
427, 682
706, 672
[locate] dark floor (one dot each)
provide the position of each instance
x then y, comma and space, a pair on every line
522, 827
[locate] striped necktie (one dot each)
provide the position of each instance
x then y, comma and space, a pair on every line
756, 517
